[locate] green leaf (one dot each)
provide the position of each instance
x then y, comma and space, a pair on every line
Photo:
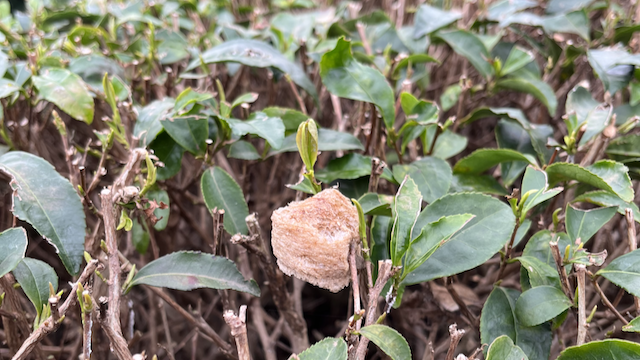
538, 88
188, 270
518, 57
243, 150
499, 318
503, 348
421, 111
583, 224
450, 96
13, 243
350, 166
484, 159
469, 45
617, 179
256, 54
290, 118
67, 91
345, 77
388, 340
510, 135
538, 246
478, 241
613, 67
604, 198
148, 125
430, 19
328, 140
139, 237
326, 349
432, 176
575, 22
476, 183
376, 204
632, 326
219, 190
539, 272
565, 6
624, 147
34, 277
52, 207
406, 208
610, 349
189, 96
173, 46
624, 271
448, 144
258, 123
535, 183
91, 68
7, 88
540, 304
595, 114
247, 98
431, 238
169, 153
190, 132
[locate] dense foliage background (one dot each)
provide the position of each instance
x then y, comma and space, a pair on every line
472, 133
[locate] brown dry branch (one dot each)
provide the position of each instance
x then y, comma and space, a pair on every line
564, 280
455, 335
238, 325
581, 271
50, 324
633, 244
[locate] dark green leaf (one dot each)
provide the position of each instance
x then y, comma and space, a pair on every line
613, 67
604, 198
388, 340
632, 326
243, 150
625, 147
512, 136
430, 19
406, 208
431, 238
535, 183
421, 111
503, 348
189, 96
432, 176
173, 46
610, 349
350, 166
498, 318
187, 270
52, 207
484, 159
518, 57
450, 96
67, 91
169, 153
91, 69
290, 118
190, 132
538, 88
13, 243
376, 204
469, 45
34, 277
539, 272
139, 237
256, 54
219, 190
583, 224
476, 183
148, 125
538, 246
326, 349
617, 180
345, 77
268, 128
624, 271
589, 111
448, 144
479, 240
575, 22
541, 304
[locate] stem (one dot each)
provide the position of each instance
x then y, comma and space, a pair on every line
633, 244
564, 280
607, 303
238, 325
507, 255
456, 335
582, 315
355, 284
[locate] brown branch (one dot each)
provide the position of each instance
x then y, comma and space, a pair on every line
50, 325
256, 245
385, 271
582, 314
564, 280
607, 303
633, 244
507, 255
456, 335
238, 325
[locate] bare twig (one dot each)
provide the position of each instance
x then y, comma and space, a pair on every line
463, 306
111, 320
456, 335
238, 325
353, 252
564, 281
582, 314
633, 244
607, 303
295, 92
385, 271
507, 255
50, 325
